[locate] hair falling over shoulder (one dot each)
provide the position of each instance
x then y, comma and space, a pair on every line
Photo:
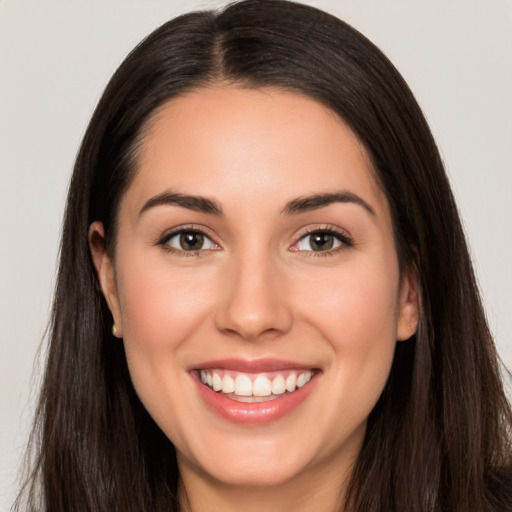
439, 439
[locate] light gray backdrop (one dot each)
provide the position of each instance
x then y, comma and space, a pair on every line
56, 57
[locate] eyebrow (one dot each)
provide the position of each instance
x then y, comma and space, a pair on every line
316, 201
195, 203
296, 206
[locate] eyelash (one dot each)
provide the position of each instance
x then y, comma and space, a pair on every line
164, 240
346, 242
341, 236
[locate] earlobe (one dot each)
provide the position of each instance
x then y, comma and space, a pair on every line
409, 305
105, 271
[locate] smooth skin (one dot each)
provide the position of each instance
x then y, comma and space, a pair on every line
256, 286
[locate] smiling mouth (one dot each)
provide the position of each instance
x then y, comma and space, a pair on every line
254, 387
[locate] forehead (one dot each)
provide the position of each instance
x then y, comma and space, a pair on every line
239, 145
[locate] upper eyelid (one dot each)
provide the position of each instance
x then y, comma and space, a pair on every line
345, 239
343, 234
168, 234
164, 241
324, 228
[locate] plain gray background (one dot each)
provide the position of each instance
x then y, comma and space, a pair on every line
56, 57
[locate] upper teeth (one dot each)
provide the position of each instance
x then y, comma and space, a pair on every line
243, 384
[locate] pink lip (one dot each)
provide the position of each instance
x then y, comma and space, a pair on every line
251, 366
255, 413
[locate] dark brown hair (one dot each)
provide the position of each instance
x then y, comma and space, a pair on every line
439, 437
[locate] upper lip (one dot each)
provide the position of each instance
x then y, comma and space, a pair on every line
252, 365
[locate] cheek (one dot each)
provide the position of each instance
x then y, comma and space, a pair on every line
162, 309
358, 319
160, 306
356, 313
356, 304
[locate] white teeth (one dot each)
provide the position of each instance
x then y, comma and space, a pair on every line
228, 384
261, 386
291, 382
243, 385
301, 380
304, 378
216, 382
278, 385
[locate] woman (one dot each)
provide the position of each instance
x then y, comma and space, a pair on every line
265, 299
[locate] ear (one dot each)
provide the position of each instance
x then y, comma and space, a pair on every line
105, 270
409, 304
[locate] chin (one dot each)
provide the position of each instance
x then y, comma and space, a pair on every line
254, 472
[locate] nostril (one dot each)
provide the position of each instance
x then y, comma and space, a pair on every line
251, 333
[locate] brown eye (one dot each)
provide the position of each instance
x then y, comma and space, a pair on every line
319, 241
190, 241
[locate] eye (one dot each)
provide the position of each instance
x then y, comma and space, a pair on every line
322, 241
190, 241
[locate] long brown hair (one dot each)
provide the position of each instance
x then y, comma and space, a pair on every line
439, 437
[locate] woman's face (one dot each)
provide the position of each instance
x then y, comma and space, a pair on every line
255, 252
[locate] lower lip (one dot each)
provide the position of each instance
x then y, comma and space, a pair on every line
254, 413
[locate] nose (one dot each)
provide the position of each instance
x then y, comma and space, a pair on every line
254, 301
